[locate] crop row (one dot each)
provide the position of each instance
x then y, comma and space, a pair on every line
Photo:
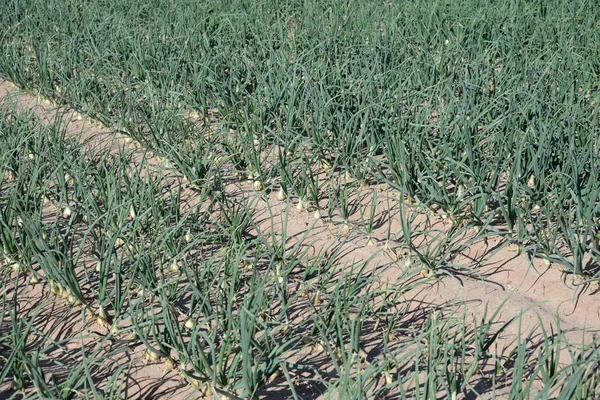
488, 112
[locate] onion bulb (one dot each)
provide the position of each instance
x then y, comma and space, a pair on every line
274, 376
132, 213
247, 265
195, 382
546, 262
67, 212
15, 267
346, 229
152, 356
278, 273
114, 329
54, 289
69, 179
190, 324
101, 321
169, 364
316, 300
174, 266
388, 378
376, 325
281, 195
337, 353
319, 347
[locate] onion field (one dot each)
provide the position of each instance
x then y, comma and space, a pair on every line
299, 199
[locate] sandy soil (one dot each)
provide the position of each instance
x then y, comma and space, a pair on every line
483, 275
